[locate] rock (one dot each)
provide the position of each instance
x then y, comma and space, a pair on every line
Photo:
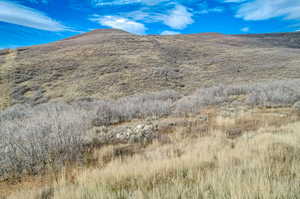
125, 134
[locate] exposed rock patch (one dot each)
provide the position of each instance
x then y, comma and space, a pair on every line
137, 133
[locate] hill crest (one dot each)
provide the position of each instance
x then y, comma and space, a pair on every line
113, 63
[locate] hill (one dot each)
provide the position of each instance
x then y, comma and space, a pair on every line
108, 114
114, 63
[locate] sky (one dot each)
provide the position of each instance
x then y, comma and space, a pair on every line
31, 22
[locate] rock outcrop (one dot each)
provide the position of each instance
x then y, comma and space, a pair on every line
134, 133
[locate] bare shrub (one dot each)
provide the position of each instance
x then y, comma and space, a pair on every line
107, 113
199, 99
52, 135
283, 92
273, 93
157, 104
18, 111
150, 104
48, 135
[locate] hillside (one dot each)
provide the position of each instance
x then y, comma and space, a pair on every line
113, 64
108, 114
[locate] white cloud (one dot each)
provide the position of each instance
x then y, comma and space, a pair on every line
139, 15
121, 23
167, 32
38, 1
245, 29
21, 15
234, 1
168, 12
99, 3
210, 10
217, 9
267, 9
171, 14
178, 18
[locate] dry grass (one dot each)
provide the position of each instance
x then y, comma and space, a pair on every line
262, 162
5, 70
120, 64
245, 155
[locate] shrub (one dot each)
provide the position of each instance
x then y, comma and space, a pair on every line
107, 113
272, 93
157, 104
15, 112
51, 134
283, 92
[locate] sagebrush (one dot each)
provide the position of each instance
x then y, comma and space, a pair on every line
34, 138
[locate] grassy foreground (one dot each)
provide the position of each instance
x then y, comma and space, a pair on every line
260, 163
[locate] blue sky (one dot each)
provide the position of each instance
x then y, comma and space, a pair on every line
30, 22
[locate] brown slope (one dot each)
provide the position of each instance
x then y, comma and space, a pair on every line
113, 63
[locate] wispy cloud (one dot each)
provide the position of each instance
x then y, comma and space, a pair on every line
267, 9
120, 23
234, 1
99, 3
245, 29
178, 18
210, 10
174, 15
168, 32
21, 15
37, 1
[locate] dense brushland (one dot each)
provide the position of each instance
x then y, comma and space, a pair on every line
220, 153
108, 114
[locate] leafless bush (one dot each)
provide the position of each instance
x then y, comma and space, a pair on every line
52, 135
156, 104
34, 138
48, 135
201, 98
15, 112
108, 112
273, 93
